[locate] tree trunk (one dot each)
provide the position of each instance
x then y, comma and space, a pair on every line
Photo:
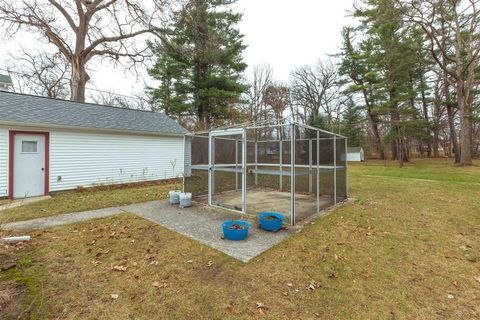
451, 121
437, 111
465, 127
453, 134
427, 120
374, 122
79, 79
435, 144
398, 144
394, 146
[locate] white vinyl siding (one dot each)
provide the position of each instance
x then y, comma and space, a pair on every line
355, 157
80, 159
3, 162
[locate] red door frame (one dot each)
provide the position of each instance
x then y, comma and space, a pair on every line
11, 158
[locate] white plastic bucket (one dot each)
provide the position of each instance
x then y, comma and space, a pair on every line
174, 197
185, 200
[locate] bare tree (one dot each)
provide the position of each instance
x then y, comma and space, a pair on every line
41, 74
262, 79
85, 29
456, 51
277, 97
138, 101
313, 87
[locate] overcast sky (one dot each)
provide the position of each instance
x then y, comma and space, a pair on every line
291, 33
283, 33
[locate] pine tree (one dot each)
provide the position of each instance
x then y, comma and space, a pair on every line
362, 74
200, 65
394, 52
352, 125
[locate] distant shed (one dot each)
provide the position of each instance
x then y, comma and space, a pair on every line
355, 154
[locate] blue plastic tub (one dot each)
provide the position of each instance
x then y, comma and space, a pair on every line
235, 234
271, 224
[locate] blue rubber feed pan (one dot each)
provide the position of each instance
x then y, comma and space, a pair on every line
235, 230
271, 221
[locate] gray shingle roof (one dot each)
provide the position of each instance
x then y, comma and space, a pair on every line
28, 109
354, 149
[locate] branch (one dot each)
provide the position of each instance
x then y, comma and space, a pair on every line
67, 16
88, 51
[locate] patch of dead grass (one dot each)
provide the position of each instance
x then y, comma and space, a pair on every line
4, 201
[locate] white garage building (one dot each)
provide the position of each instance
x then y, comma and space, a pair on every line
49, 145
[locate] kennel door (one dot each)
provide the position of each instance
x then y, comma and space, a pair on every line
227, 179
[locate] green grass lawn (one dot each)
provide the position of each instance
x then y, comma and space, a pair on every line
407, 248
437, 169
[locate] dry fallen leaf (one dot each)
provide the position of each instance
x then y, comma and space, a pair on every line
210, 263
261, 308
290, 285
450, 296
95, 262
114, 296
120, 268
149, 256
477, 279
157, 284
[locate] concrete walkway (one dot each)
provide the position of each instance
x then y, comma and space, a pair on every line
68, 218
199, 222
203, 224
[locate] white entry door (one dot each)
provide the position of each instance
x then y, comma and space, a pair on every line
29, 165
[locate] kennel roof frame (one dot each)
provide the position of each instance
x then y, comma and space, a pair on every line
309, 169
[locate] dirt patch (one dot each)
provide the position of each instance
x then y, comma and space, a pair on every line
11, 297
271, 218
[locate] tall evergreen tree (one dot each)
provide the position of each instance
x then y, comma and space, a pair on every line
200, 64
362, 74
394, 52
351, 126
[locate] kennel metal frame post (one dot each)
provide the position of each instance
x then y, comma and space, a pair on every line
303, 162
